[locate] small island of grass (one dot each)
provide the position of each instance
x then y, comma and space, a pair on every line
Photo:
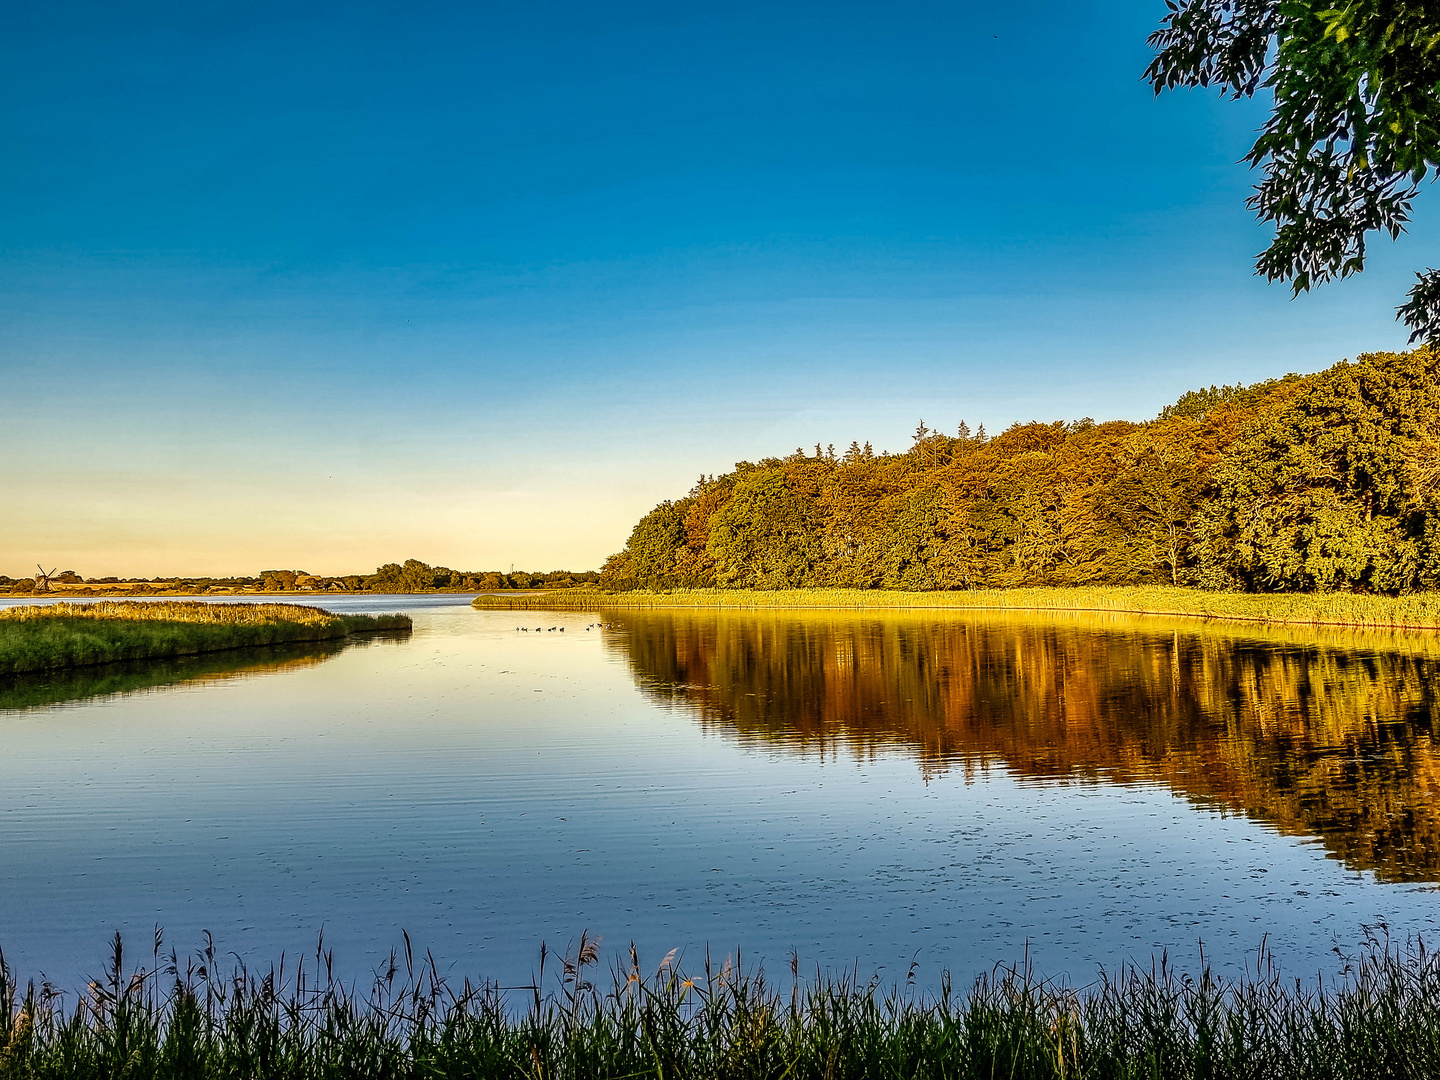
49, 637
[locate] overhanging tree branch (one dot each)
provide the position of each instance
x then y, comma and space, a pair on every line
1354, 129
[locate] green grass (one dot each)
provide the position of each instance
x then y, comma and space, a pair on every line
54, 636
1413, 611
188, 1019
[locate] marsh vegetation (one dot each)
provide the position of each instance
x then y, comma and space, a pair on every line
175, 1018
41, 637
1412, 610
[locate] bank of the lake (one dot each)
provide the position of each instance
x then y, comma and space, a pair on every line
1417, 611
55, 636
1380, 1018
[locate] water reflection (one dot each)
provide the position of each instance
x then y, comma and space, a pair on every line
73, 685
1326, 734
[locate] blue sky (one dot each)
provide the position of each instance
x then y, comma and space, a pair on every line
329, 285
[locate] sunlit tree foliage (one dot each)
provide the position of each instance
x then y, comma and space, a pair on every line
1328, 481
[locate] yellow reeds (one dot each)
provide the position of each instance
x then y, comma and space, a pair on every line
181, 611
1412, 611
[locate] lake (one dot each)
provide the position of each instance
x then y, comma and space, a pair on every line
945, 789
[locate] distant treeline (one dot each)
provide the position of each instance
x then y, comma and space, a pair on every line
1318, 482
412, 576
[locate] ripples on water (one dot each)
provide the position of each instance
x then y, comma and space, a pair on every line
857, 788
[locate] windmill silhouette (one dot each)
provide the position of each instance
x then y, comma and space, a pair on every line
42, 579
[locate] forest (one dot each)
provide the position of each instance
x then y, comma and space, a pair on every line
1322, 482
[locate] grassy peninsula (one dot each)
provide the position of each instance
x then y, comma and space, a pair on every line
49, 637
1417, 611
188, 1019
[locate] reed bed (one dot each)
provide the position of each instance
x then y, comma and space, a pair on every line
188, 1019
182, 611
46, 637
1411, 611
1239, 632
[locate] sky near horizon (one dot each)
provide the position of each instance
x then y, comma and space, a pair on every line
325, 286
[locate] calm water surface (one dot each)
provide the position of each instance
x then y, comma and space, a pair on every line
857, 788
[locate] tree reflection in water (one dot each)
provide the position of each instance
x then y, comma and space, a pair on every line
1314, 732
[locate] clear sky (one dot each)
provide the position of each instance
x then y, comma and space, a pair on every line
322, 286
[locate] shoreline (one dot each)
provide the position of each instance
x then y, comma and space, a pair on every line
39, 638
734, 1022
1412, 612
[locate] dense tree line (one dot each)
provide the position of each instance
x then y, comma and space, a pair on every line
416, 576
413, 576
1318, 482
